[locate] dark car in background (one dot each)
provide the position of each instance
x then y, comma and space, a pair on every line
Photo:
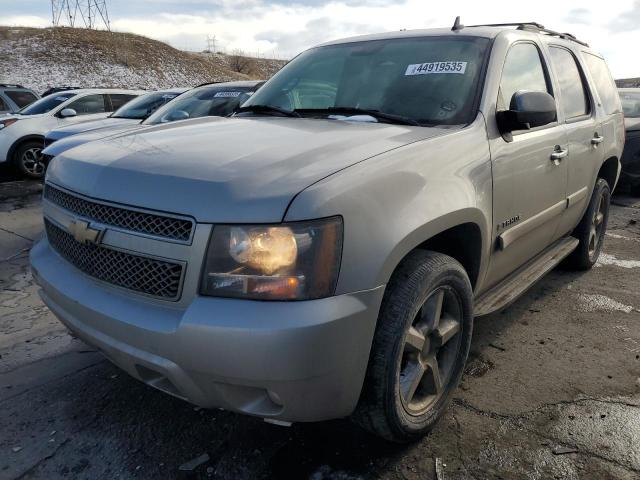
209, 100
630, 176
15, 97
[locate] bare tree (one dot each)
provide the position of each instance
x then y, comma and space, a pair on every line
241, 63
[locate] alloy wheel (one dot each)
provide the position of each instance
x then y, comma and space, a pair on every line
597, 223
431, 347
32, 161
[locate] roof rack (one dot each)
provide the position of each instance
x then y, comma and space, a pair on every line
532, 27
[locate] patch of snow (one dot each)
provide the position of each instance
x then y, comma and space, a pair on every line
594, 302
607, 259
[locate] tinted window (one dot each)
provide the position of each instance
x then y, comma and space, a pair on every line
88, 105
432, 80
605, 85
574, 99
141, 107
120, 99
46, 104
523, 70
631, 104
202, 102
20, 97
3, 106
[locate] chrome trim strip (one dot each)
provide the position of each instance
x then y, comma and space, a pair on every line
507, 238
576, 197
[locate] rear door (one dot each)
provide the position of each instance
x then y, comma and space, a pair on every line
584, 133
529, 186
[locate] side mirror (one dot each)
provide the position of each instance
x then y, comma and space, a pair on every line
68, 112
527, 110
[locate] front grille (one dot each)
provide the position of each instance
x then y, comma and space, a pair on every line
150, 276
147, 223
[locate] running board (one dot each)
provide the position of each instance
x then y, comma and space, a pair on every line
512, 287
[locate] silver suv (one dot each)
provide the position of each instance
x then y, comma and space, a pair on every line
324, 252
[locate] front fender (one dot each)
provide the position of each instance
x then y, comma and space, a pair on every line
394, 202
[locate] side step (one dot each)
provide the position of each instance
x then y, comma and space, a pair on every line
509, 289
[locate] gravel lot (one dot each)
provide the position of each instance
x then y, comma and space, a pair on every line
552, 390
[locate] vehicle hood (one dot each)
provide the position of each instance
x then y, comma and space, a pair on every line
632, 124
88, 126
74, 140
241, 169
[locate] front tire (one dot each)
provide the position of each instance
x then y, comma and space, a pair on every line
419, 349
28, 159
591, 229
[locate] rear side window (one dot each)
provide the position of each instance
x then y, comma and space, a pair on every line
605, 85
119, 99
21, 98
574, 99
89, 104
523, 70
3, 106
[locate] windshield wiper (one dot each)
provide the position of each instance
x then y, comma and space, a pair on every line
268, 109
388, 117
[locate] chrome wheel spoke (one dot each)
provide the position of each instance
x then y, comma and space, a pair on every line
433, 373
410, 379
415, 340
599, 219
432, 310
447, 329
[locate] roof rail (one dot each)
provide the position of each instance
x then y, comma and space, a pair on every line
535, 27
10, 85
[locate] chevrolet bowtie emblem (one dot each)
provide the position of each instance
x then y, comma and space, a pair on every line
85, 233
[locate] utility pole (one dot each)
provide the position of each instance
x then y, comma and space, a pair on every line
211, 44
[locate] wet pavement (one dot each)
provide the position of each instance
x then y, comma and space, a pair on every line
552, 390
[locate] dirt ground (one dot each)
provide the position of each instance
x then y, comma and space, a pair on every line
552, 391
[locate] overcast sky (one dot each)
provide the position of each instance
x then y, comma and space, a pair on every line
286, 27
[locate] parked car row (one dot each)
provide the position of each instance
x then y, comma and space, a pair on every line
98, 113
323, 252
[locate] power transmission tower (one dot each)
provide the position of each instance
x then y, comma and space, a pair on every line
88, 13
211, 43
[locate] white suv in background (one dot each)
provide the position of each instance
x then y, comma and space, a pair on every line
22, 134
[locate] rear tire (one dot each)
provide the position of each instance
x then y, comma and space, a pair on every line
591, 229
419, 349
28, 160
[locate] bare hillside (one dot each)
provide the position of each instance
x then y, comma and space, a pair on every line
628, 83
39, 58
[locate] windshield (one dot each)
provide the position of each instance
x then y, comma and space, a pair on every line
141, 107
430, 80
202, 102
46, 104
630, 104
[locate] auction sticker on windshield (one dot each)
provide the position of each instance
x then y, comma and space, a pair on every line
436, 67
227, 94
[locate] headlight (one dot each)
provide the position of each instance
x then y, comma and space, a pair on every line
6, 123
291, 261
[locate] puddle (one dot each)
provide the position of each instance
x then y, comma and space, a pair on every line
606, 259
593, 303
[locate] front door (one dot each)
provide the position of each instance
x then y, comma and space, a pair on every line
529, 171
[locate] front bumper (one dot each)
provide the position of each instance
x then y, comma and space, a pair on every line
289, 361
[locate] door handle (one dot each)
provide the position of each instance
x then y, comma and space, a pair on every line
597, 139
558, 154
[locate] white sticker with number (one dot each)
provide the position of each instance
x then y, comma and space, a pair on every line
436, 67
227, 94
